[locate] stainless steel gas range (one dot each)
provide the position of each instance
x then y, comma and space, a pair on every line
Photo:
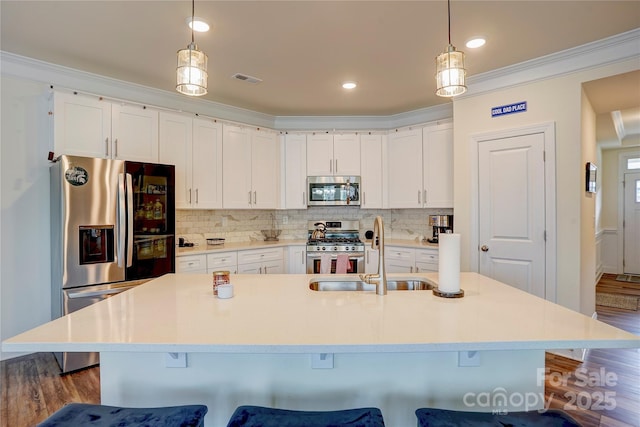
334, 247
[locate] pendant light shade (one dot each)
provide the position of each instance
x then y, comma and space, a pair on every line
191, 72
450, 72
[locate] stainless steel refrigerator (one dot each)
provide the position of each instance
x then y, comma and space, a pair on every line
112, 228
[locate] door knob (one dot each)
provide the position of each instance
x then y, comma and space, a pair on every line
484, 248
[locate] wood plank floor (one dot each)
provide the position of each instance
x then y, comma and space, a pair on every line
32, 388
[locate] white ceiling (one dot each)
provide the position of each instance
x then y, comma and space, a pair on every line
303, 50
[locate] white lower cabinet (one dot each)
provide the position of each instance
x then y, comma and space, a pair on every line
426, 260
226, 261
407, 260
261, 261
297, 259
191, 264
370, 260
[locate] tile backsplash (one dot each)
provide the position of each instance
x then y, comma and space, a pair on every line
245, 225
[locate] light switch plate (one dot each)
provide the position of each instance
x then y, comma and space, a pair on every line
176, 360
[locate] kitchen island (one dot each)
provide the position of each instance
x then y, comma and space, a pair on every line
278, 343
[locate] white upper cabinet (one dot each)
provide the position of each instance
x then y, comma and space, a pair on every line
404, 160
333, 154
437, 152
134, 131
93, 127
81, 125
371, 175
194, 146
295, 171
176, 136
206, 164
250, 168
420, 167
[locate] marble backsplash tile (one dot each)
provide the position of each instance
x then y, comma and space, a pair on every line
245, 225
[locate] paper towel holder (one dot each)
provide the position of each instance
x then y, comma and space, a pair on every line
439, 293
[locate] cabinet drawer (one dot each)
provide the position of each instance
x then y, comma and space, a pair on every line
400, 254
191, 264
222, 261
260, 255
423, 267
427, 255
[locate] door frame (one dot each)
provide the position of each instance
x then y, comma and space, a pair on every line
549, 131
622, 169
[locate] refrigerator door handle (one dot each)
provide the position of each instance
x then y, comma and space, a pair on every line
122, 220
129, 180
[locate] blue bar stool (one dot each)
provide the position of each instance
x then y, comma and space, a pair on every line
446, 418
87, 415
257, 416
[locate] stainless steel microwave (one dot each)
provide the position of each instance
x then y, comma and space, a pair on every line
333, 191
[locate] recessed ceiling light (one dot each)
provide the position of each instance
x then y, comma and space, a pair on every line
199, 24
476, 42
349, 85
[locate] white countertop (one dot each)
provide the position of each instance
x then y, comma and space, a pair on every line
280, 314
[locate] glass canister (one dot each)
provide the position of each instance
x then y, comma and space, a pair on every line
220, 278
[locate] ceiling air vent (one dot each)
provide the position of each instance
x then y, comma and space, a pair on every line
246, 78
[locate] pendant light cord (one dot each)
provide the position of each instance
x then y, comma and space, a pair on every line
449, 16
193, 13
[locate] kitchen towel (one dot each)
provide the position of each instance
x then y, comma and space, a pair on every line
449, 262
325, 263
342, 264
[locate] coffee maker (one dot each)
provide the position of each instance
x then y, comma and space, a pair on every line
440, 224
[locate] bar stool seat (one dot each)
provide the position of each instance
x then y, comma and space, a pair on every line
258, 416
84, 414
446, 418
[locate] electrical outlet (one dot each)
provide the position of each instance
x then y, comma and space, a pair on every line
225, 221
285, 219
468, 358
176, 360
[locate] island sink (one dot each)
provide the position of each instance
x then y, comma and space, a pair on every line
359, 285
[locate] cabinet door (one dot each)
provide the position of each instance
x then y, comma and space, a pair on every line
371, 171
438, 166
81, 126
297, 259
191, 264
399, 260
134, 130
236, 168
404, 157
207, 164
273, 267
370, 260
319, 154
426, 260
265, 169
346, 154
175, 146
295, 170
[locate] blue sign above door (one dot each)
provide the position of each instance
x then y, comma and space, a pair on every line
502, 110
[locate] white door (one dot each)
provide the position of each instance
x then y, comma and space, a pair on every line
511, 209
632, 223
175, 136
265, 169
207, 164
371, 172
346, 154
236, 168
437, 173
82, 126
404, 163
319, 154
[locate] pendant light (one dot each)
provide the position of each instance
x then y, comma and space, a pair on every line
191, 72
450, 72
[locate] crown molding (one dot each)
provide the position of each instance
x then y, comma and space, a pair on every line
624, 47
611, 50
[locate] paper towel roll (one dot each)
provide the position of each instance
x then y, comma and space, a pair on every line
449, 262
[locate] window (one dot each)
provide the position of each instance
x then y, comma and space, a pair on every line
633, 163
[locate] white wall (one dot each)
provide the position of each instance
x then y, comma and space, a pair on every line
555, 100
588, 220
24, 225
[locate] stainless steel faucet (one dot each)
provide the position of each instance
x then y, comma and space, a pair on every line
377, 242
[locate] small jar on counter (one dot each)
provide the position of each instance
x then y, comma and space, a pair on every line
220, 278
